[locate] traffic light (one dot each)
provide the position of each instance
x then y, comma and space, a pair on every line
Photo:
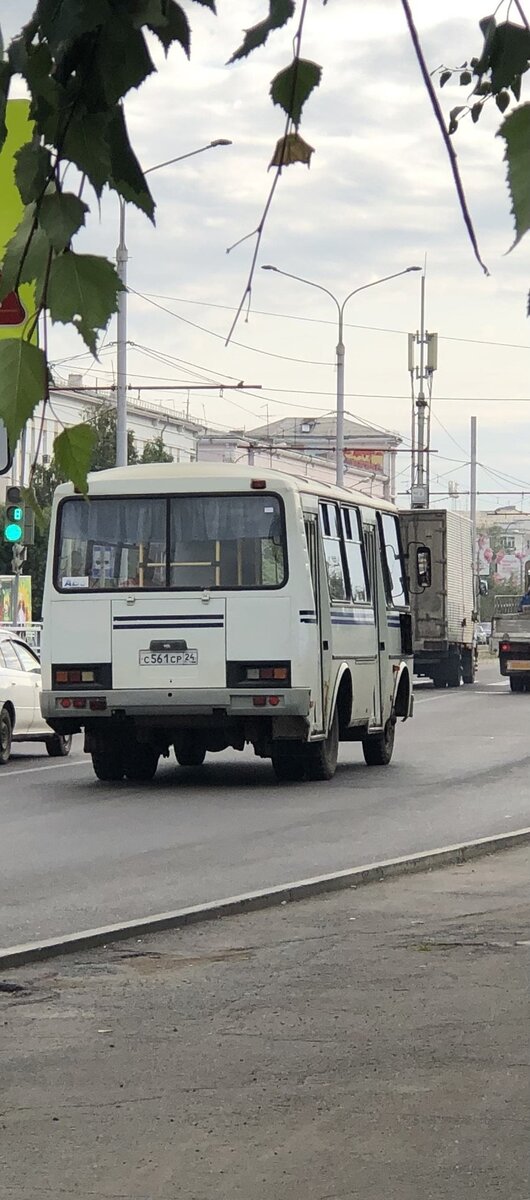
14, 516
19, 523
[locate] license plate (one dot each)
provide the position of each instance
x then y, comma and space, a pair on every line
168, 658
519, 664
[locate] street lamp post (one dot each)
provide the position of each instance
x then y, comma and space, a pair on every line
340, 351
121, 333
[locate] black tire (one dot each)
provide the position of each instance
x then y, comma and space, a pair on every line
379, 747
108, 764
287, 761
469, 666
454, 671
141, 762
517, 683
192, 754
6, 732
59, 745
321, 757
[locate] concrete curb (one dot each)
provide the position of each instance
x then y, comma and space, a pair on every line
426, 860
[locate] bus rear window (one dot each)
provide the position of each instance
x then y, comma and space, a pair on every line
112, 544
119, 543
226, 542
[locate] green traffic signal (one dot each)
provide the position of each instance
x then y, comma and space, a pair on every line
13, 532
14, 516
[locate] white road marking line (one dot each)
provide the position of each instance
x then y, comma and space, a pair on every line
51, 767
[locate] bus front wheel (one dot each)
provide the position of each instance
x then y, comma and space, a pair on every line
379, 747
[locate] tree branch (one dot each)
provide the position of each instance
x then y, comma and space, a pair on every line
446, 139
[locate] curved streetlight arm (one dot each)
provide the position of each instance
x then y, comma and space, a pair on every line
309, 283
374, 283
121, 338
340, 351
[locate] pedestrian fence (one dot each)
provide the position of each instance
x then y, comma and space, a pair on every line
30, 632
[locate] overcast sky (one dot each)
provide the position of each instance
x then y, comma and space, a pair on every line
378, 197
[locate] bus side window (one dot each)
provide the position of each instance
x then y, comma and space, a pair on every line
331, 539
392, 559
355, 556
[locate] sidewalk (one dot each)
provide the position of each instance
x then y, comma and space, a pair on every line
370, 1044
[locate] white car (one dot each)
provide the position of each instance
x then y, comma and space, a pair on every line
20, 715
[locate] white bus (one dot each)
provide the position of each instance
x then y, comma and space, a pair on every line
202, 607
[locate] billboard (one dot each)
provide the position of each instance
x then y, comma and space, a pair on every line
367, 460
17, 306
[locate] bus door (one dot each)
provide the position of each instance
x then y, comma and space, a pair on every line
311, 532
378, 601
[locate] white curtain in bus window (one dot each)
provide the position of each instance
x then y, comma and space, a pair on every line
112, 543
396, 579
359, 588
226, 541
329, 523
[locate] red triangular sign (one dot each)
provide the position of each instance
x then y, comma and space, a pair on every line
12, 311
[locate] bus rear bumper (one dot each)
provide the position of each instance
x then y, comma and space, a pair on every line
144, 704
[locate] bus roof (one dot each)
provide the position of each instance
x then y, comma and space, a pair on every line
207, 476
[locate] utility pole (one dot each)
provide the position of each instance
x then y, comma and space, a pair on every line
121, 362
473, 504
420, 417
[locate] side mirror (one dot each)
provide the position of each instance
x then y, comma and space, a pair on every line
423, 567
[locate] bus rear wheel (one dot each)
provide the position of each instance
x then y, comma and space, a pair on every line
190, 754
108, 764
379, 747
321, 757
287, 761
141, 762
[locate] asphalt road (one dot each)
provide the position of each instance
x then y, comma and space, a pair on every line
75, 853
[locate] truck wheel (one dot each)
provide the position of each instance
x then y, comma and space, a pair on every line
141, 762
108, 764
378, 747
440, 678
321, 757
454, 671
469, 666
517, 683
287, 761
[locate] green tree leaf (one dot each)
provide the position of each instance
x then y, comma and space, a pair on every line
72, 451
64, 21
445, 77
121, 60
509, 54
32, 170
293, 86
155, 451
465, 78
85, 144
5, 80
171, 26
20, 266
83, 289
22, 383
280, 12
126, 174
515, 130
502, 100
61, 214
